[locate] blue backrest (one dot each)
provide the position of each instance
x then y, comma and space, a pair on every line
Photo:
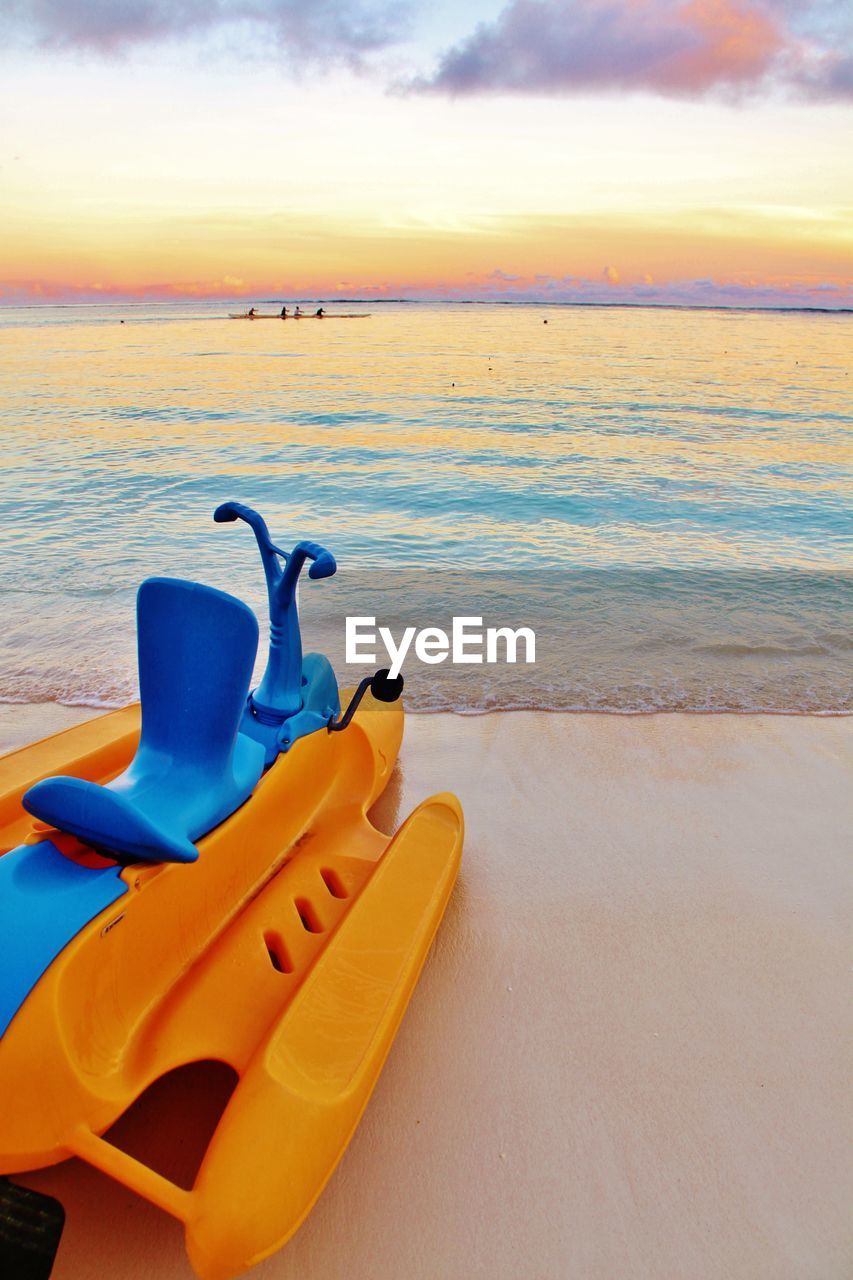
192, 769
197, 649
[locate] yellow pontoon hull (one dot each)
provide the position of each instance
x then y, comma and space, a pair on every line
288, 951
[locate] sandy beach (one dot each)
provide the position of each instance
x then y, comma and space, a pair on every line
626, 1054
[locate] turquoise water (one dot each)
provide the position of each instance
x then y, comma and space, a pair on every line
663, 494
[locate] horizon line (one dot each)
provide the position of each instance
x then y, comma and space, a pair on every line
446, 302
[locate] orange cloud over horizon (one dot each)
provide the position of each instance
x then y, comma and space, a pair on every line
234, 255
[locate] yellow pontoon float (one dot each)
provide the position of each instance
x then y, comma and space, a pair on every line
196, 879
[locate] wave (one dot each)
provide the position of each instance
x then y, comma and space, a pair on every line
420, 700
745, 650
460, 709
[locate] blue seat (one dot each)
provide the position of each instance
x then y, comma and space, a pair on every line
45, 900
192, 768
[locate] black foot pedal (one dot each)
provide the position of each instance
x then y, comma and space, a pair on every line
30, 1228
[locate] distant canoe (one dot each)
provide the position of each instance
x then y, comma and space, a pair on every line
327, 315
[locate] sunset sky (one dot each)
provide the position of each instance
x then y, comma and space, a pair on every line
603, 150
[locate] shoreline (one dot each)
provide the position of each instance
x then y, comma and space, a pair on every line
22, 723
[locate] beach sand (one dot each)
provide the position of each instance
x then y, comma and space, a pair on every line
625, 1059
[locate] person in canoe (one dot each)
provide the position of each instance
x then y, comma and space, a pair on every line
319, 313
284, 313
251, 313
297, 312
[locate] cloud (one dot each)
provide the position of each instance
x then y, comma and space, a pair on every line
678, 48
685, 292
316, 30
491, 287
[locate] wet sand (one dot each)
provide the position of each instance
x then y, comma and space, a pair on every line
626, 1056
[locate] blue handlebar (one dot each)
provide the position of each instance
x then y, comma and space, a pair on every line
280, 692
324, 562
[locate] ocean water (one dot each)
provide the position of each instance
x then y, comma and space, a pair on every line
664, 496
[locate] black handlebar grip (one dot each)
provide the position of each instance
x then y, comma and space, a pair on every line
385, 687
